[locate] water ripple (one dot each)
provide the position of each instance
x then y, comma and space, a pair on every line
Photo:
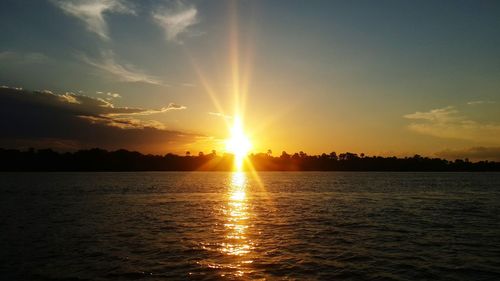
282, 226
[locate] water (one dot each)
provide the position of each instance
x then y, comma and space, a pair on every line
293, 226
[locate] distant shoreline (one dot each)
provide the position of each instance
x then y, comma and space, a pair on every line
99, 160
245, 171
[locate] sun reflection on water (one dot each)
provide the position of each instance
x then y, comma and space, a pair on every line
234, 238
237, 243
237, 217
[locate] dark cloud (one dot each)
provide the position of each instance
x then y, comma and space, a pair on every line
473, 153
45, 119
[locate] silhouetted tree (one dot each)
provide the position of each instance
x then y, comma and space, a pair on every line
285, 155
333, 156
122, 160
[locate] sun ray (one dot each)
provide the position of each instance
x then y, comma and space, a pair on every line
206, 86
238, 142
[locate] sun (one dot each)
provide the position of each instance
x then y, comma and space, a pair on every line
238, 144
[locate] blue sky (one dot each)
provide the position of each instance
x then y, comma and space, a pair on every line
379, 77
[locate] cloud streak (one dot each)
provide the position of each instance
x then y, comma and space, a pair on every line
447, 122
124, 73
176, 20
113, 95
473, 153
221, 115
91, 12
139, 111
477, 102
98, 107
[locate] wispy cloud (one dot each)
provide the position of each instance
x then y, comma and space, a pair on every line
125, 73
221, 115
480, 102
113, 95
447, 122
439, 115
176, 19
109, 96
91, 12
24, 58
473, 153
99, 107
139, 111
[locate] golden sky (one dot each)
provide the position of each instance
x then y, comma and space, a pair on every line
387, 78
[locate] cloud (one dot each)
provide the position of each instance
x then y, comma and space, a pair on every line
113, 95
67, 97
24, 58
439, 115
109, 96
473, 153
447, 122
59, 120
125, 73
173, 106
176, 20
83, 105
104, 108
480, 102
221, 115
139, 111
91, 12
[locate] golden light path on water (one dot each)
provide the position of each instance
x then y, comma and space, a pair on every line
233, 240
237, 217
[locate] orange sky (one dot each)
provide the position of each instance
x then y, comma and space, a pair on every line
385, 78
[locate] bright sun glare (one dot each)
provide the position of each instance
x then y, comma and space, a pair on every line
238, 144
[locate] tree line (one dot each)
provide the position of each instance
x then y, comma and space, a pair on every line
122, 160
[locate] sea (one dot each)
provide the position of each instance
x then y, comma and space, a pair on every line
250, 226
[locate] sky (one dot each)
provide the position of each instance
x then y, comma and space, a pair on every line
375, 77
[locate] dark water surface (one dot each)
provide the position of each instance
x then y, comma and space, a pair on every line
294, 226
